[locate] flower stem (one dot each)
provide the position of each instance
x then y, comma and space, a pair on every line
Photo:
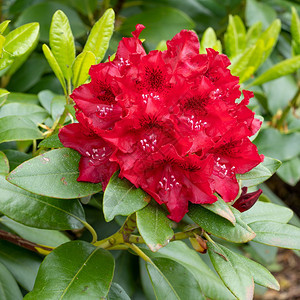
140, 253
92, 231
208, 237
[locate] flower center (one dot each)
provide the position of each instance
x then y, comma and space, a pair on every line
168, 183
196, 124
154, 78
223, 170
98, 155
149, 143
104, 110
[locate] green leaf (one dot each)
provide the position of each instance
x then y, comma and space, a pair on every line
210, 284
4, 164
283, 68
62, 43
171, 280
2, 41
33, 112
21, 39
75, 270
3, 26
209, 40
9, 289
295, 30
37, 211
154, 226
52, 238
263, 211
222, 209
100, 35
290, 171
235, 36
236, 276
22, 98
116, 292
53, 174
54, 66
81, 67
57, 106
122, 198
14, 128
22, 264
16, 157
253, 33
260, 173
276, 234
51, 142
220, 227
6, 60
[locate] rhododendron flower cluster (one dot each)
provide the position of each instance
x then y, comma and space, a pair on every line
171, 121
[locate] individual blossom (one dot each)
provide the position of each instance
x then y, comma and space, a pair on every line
173, 122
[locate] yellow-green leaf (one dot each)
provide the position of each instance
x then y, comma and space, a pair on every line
3, 26
209, 40
295, 31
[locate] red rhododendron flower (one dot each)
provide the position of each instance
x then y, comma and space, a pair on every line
171, 121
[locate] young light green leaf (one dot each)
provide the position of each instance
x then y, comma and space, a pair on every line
2, 41
263, 211
283, 68
21, 39
234, 275
253, 33
222, 209
14, 128
260, 173
37, 211
295, 30
220, 227
54, 66
22, 263
53, 174
9, 289
276, 234
154, 226
62, 43
75, 270
81, 67
3, 26
122, 198
100, 35
4, 164
209, 40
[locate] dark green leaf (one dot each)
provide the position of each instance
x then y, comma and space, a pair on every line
9, 289
264, 211
53, 174
100, 35
236, 276
37, 211
154, 226
75, 270
116, 292
62, 43
51, 142
290, 171
171, 280
14, 128
260, 173
22, 263
16, 157
122, 198
4, 164
276, 234
220, 227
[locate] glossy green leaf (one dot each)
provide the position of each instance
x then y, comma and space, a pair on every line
154, 226
235, 36
3, 26
4, 164
22, 264
283, 68
6, 60
51, 142
171, 280
116, 292
209, 40
100, 35
295, 31
209, 282
46, 237
222, 209
122, 198
37, 211
14, 128
54, 66
75, 270
289, 171
260, 173
53, 174
276, 234
81, 67
264, 211
9, 289
253, 33
33, 112
62, 43
220, 227
21, 39
235, 276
